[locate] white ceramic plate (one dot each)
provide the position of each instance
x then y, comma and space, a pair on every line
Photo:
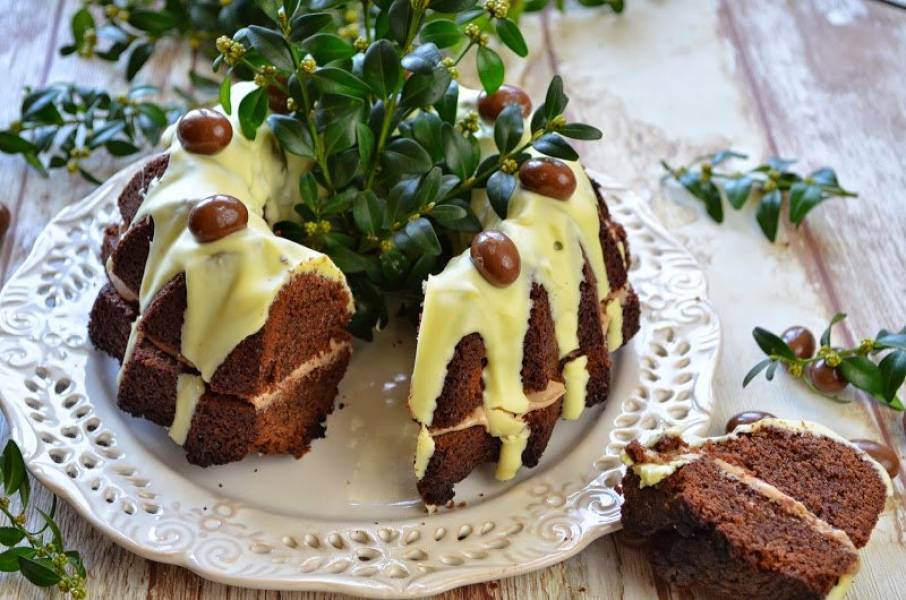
346, 517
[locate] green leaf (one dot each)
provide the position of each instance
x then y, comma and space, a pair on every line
9, 560
270, 44
725, 155
224, 95
400, 14
404, 155
307, 25
781, 164
511, 36
753, 373
156, 22
426, 128
40, 572
826, 334
555, 101
424, 59
887, 339
803, 198
771, 344
580, 131
137, 59
365, 140
10, 143
500, 189
738, 191
425, 89
394, 265
508, 128
442, 33
327, 47
490, 69
308, 190
448, 213
10, 536
863, 373
82, 21
825, 176
451, 6
333, 80
347, 260
552, 144
121, 148
422, 236
772, 368
13, 468
293, 136
447, 105
106, 133
462, 155
710, 195
893, 373
366, 212
768, 215
381, 68
252, 111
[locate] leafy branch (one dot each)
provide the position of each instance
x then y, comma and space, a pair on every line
832, 368
768, 184
40, 555
63, 124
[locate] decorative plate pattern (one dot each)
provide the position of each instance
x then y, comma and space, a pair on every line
61, 409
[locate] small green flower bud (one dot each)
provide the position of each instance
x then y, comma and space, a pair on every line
308, 64
509, 166
386, 246
361, 44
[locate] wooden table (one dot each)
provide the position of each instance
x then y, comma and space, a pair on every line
823, 80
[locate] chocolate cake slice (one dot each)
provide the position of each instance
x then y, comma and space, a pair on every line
776, 509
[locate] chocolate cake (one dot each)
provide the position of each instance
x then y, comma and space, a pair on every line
518, 331
233, 338
775, 509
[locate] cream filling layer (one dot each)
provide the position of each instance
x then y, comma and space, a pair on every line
190, 388
554, 239
231, 282
121, 288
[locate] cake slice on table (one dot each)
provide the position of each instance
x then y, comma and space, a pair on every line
775, 509
233, 338
517, 331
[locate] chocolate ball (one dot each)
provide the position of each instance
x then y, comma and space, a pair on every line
491, 105
800, 340
5, 219
886, 457
548, 177
496, 257
204, 131
216, 217
827, 379
746, 418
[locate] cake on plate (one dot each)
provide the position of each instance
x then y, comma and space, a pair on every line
235, 339
775, 509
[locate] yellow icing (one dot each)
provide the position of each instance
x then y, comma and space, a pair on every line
614, 314
189, 389
554, 239
575, 372
424, 451
838, 592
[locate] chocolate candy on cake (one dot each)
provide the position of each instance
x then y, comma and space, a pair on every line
827, 379
491, 105
886, 457
204, 131
800, 340
746, 418
548, 177
496, 257
216, 217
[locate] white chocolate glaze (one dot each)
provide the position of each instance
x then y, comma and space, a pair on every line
231, 282
189, 389
554, 238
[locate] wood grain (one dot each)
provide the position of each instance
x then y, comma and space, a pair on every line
821, 79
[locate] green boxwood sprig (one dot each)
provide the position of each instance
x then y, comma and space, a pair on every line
39, 555
768, 184
876, 366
